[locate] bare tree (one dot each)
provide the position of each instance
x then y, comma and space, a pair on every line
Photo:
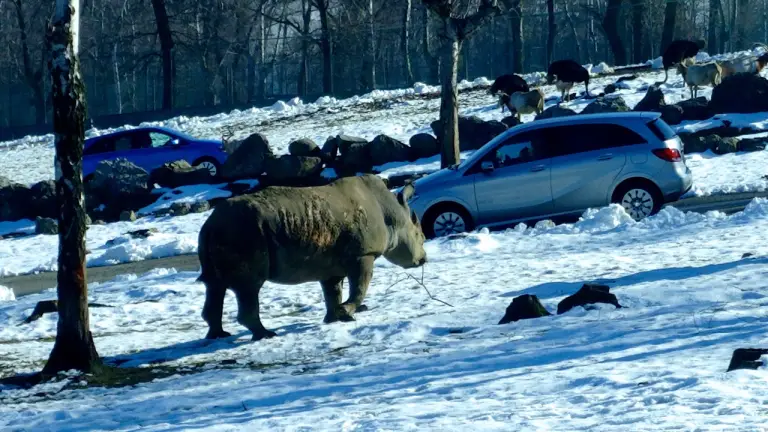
33, 76
611, 28
323, 8
670, 19
458, 24
166, 47
638, 30
516, 23
74, 347
405, 44
551, 30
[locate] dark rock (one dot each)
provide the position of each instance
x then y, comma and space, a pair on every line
554, 112
588, 294
43, 199
423, 146
606, 105
180, 208
385, 149
180, 173
248, 160
474, 132
399, 180
331, 149
46, 226
526, 306
200, 207
714, 143
99, 222
128, 216
752, 144
288, 167
42, 308
740, 93
694, 144
118, 185
355, 156
15, 201
610, 88
304, 147
695, 109
510, 121
747, 358
237, 188
627, 78
142, 233
671, 114
652, 101
747, 255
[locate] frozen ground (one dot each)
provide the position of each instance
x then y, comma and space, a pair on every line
412, 363
398, 114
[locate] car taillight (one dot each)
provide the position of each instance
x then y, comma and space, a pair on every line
668, 154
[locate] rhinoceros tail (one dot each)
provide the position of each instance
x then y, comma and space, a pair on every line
207, 266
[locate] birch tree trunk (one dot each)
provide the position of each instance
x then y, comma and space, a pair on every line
449, 103
166, 47
74, 347
406, 43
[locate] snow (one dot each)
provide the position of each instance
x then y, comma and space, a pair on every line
690, 298
186, 194
6, 294
23, 226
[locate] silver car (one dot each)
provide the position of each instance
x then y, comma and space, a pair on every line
554, 168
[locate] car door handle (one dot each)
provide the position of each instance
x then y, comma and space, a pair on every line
605, 157
538, 168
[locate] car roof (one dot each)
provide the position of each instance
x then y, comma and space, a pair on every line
586, 118
142, 128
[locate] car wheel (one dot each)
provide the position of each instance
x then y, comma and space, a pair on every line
210, 165
639, 200
445, 221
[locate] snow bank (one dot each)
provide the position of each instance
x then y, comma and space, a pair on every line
6, 294
186, 194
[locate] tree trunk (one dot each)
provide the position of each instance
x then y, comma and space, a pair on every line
449, 103
551, 30
405, 44
368, 78
638, 10
670, 18
611, 27
303, 84
326, 47
432, 60
166, 47
74, 347
743, 22
33, 78
517, 36
712, 27
575, 35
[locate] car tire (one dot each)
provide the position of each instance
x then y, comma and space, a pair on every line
446, 219
212, 165
640, 198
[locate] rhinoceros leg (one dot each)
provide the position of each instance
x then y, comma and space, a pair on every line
359, 277
332, 295
248, 310
213, 309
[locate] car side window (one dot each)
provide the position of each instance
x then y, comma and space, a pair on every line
513, 154
159, 139
104, 145
566, 140
123, 143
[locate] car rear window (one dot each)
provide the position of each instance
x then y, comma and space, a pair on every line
661, 129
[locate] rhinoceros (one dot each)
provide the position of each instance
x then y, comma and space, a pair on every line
296, 235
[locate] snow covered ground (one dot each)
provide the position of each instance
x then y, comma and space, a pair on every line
691, 296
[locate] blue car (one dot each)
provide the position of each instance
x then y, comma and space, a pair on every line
150, 148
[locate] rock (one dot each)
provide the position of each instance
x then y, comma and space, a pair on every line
695, 109
43, 199
747, 358
15, 201
510, 121
330, 149
288, 167
385, 149
179, 173
554, 112
423, 145
694, 144
714, 143
118, 185
142, 233
355, 156
200, 207
610, 88
752, 144
128, 216
42, 308
652, 101
526, 306
606, 105
304, 147
588, 294
237, 188
46, 226
474, 132
180, 208
99, 222
740, 93
671, 114
399, 180
248, 160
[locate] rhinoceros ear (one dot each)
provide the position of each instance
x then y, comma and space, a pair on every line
405, 194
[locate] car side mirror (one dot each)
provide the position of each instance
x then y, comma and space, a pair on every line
487, 167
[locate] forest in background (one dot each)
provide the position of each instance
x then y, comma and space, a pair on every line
171, 55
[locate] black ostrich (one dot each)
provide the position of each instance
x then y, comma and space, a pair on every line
677, 51
565, 73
